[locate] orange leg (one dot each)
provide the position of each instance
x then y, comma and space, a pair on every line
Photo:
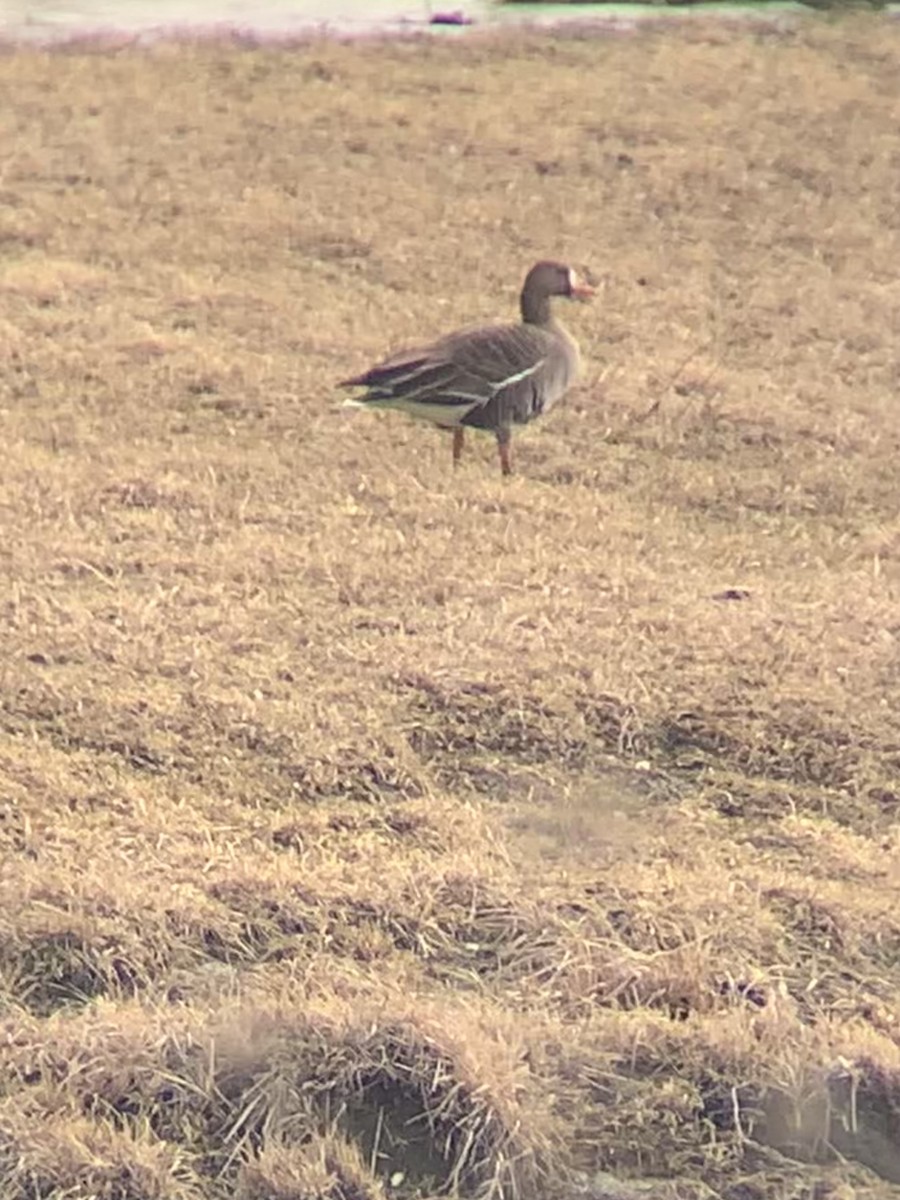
459, 437
504, 445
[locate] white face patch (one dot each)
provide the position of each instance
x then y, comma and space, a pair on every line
573, 280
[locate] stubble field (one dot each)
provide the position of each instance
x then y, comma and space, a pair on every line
372, 829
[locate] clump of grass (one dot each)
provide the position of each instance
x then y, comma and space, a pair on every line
412, 1098
326, 1166
52, 1155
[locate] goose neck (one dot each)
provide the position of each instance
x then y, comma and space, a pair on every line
535, 307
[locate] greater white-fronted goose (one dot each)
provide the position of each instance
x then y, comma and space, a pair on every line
488, 377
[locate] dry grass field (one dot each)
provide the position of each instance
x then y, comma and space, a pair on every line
372, 830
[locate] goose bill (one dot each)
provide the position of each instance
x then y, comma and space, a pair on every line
579, 289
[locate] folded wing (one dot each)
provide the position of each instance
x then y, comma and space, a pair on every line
486, 376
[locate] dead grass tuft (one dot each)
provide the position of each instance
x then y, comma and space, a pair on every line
53, 1157
408, 1094
327, 1167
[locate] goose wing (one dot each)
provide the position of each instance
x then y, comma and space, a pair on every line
458, 375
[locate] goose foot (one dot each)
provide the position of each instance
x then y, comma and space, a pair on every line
504, 446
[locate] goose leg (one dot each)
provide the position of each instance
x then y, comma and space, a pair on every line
504, 445
459, 436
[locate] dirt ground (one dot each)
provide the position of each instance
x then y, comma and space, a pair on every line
371, 829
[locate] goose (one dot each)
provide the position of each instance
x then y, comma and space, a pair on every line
488, 377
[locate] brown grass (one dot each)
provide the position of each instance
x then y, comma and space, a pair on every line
369, 829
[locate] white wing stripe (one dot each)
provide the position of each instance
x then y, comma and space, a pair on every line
519, 375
